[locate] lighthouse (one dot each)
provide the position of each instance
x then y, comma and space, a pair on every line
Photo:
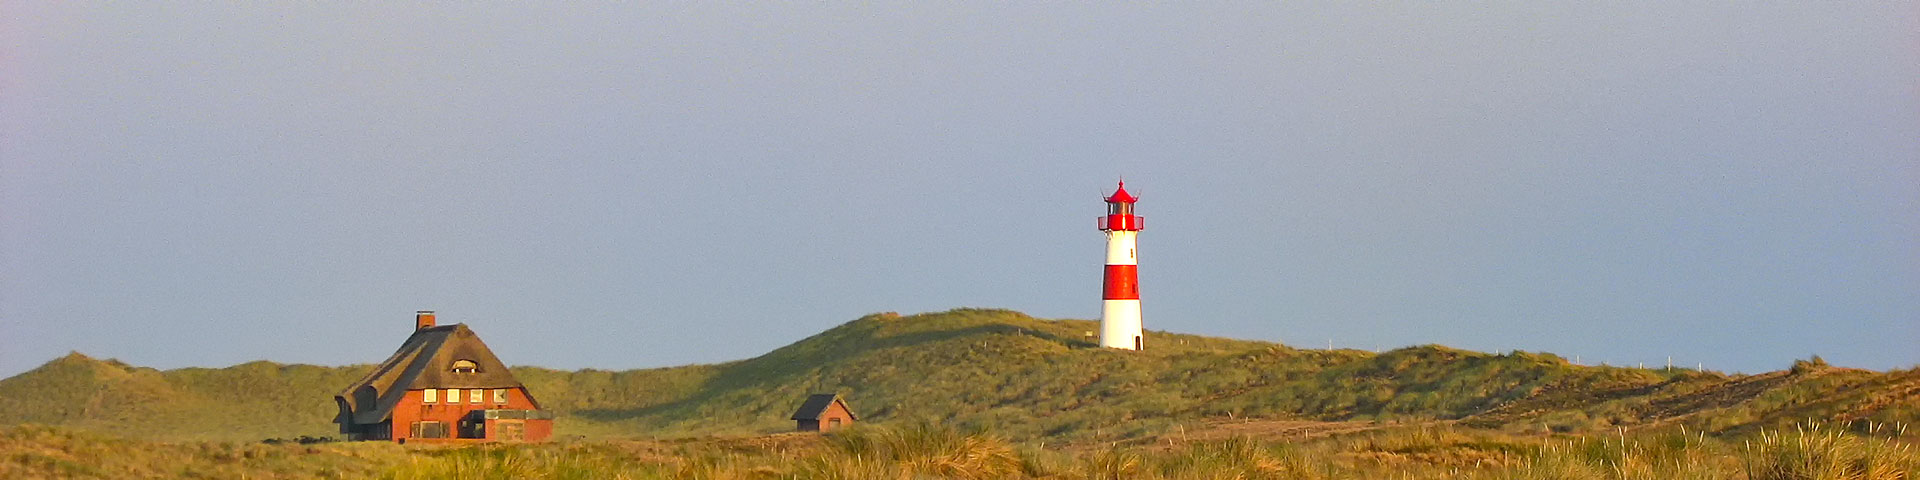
1120, 303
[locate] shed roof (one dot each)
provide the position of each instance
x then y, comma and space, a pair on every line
816, 405
426, 361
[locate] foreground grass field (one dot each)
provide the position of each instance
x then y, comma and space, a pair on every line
925, 450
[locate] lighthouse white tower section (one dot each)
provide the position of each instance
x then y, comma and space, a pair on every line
1120, 301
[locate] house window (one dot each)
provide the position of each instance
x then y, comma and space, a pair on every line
453, 395
473, 396
473, 428
433, 396
429, 429
500, 396
465, 366
833, 423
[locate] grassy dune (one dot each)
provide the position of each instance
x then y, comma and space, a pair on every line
1025, 379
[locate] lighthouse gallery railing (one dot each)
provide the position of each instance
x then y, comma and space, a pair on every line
1121, 222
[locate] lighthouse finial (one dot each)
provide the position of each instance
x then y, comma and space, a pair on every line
1120, 194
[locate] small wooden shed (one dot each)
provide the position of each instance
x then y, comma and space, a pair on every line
823, 412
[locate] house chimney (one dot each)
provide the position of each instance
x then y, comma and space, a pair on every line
423, 320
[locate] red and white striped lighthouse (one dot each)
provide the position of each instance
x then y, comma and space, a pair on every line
1120, 304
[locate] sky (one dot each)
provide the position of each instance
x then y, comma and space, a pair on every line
613, 186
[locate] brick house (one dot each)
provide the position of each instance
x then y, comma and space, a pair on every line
443, 386
823, 412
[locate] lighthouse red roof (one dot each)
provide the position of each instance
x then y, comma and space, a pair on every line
1121, 195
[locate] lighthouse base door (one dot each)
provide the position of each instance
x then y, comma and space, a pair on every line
1136, 343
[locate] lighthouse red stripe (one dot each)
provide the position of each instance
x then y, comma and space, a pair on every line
1122, 283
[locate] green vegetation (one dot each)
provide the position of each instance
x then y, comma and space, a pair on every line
250, 401
1022, 378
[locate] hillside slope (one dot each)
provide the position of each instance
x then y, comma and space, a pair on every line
1001, 370
248, 401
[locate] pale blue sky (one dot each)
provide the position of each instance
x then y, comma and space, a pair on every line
620, 186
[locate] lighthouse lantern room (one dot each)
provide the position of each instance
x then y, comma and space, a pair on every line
1120, 303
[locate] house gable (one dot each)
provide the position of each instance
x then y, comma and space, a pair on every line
426, 360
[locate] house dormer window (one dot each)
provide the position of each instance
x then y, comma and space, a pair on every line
465, 366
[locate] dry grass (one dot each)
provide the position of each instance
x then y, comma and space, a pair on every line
932, 451
1814, 452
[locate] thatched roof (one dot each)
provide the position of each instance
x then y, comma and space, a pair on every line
425, 361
